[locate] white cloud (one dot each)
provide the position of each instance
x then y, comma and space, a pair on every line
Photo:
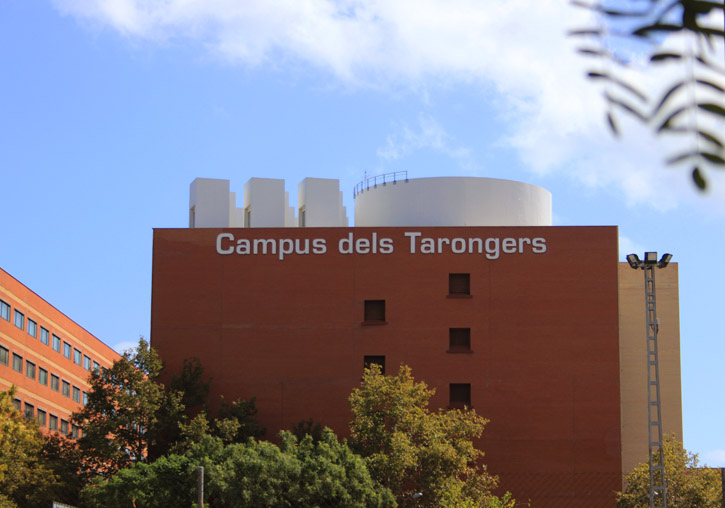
713, 458
428, 135
515, 50
122, 347
628, 246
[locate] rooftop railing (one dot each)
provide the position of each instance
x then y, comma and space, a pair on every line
384, 179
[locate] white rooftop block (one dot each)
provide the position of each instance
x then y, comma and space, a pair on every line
320, 203
209, 203
265, 203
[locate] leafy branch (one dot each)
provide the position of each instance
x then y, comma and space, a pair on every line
695, 100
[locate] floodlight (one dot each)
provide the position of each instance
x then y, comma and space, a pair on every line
633, 260
650, 258
664, 260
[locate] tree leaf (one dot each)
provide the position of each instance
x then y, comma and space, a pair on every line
713, 139
698, 179
588, 31
645, 31
667, 96
713, 158
659, 57
681, 157
612, 124
666, 122
592, 51
711, 31
630, 109
623, 84
712, 108
710, 84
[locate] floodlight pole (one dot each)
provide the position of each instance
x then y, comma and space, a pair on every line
657, 483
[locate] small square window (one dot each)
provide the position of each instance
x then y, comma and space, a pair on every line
4, 311
96, 367
378, 360
53, 422
43, 376
4, 355
41, 417
54, 382
32, 328
67, 350
17, 363
85, 398
76, 394
459, 340
459, 283
66, 389
86, 362
374, 311
56, 343
29, 411
19, 319
75, 431
77, 357
16, 404
460, 395
44, 335
30, 369
64, 427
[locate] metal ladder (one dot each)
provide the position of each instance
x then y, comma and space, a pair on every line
657, 484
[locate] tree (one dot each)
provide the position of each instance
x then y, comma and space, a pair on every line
255, 474
300, 474
169, 481
191, 384
126, 411
688, 486
414, 451
32, 471
20, 445
690, 106
236, 422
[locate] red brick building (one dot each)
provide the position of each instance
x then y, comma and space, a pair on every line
46, 355
539, 328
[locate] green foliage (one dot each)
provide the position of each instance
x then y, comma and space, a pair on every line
6, 502
126, 412
33, 468
687, 106
167, 482
236, 421
254, 474
295, 474
308, 428
191, 384
414, 451
20, 445
688, 485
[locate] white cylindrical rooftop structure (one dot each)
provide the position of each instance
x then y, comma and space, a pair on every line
451, 201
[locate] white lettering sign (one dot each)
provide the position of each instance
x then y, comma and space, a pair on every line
491, 248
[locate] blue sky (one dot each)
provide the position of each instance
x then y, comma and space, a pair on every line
110, 108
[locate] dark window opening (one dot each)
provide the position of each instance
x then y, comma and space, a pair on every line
375, 360
374, 311
17, 363
459, 339
459, 283
460, 395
